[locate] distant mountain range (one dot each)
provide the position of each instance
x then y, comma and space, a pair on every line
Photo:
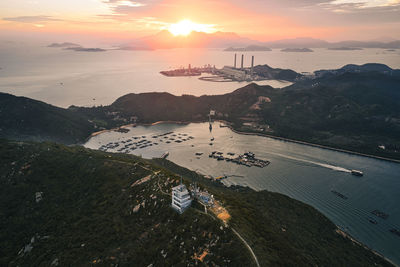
165, 40
233, 42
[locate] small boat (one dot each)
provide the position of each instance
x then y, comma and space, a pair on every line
357, 173
165, 155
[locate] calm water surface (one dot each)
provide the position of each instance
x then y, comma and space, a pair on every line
65, 78
302, 172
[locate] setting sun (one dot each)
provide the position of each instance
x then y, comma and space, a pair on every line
185, 27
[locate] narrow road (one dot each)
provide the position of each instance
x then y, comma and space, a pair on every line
247, 245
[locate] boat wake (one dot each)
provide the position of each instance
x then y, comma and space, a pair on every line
320, 164
335, 168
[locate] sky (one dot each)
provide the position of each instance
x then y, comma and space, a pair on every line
263, 20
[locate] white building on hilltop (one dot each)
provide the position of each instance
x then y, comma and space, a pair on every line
180, 198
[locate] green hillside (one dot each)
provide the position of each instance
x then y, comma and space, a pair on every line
23, 118
353, 111
87, 212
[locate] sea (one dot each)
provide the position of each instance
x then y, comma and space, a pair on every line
64, 77
306, 173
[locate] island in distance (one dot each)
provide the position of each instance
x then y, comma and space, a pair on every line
297, 50
345, 48
249, 48
75, 47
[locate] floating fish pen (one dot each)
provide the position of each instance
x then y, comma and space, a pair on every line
380, 214
338, 194
247, 159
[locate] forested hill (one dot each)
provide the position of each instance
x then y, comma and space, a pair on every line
354, 111
23, 118
150, 107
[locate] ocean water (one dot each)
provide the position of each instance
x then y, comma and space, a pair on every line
64, 78
302, 172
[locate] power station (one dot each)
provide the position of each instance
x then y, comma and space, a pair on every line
226, 74
239, 74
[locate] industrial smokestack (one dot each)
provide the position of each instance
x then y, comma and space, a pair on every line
241, 65
234, 64
252, 64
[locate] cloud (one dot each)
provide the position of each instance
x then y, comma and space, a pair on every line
129, 3
366, 3
32, 19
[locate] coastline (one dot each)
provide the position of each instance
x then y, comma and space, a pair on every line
352, 239
228, 124
311, 144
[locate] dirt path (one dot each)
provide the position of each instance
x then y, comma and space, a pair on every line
248, 246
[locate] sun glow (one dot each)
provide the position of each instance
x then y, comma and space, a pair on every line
185, 27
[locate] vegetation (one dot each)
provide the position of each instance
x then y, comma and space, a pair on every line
281, 230
74, 206
22, 118
352, 111
267, 72
71, 206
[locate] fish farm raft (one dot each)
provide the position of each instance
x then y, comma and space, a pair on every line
247, 159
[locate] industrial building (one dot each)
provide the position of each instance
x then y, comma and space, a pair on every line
180, 198
239, 74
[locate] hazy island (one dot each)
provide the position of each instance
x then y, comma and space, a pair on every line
297, 50
344, 48
85, 49
75, 47
63, 45
248, 48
